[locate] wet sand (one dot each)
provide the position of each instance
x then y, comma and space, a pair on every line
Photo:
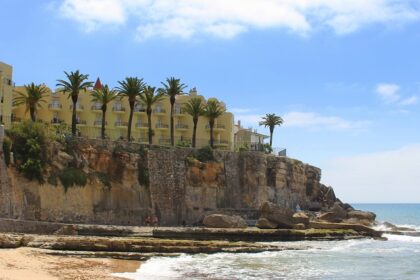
36, 264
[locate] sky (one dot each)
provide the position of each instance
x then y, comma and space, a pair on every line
343, 74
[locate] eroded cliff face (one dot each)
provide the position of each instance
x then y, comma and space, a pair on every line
162, 182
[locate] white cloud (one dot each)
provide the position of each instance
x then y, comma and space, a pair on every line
389, 176
409, 101
316, 121
228, 18
388, 92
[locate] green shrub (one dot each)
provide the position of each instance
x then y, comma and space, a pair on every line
7, 144
72, 176
267, 148
204, 154
183, 143
104, 178
243, 148
29, 149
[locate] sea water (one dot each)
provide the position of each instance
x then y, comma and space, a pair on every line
397, 258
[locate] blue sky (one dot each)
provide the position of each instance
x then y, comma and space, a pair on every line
344, 75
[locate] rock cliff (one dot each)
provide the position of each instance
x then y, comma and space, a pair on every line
127, 183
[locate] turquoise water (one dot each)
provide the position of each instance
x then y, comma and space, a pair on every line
397, 258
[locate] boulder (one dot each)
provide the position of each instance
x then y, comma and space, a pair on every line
282, 216
301, 218
263, 223
362, 215
224, 221
335, 214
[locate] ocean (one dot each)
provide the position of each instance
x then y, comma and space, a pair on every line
397, 258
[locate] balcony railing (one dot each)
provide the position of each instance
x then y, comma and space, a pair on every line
179, 111
81, 122
220, 142
96, 107
139, 110
120, 123
78, 106
140, 125
181, 126
99, 122
118, 109
56, 121
143, 140
159, 111
161, 125
55, 106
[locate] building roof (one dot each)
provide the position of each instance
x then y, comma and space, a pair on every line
98, 84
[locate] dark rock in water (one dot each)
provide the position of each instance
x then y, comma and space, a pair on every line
224, 221
393, 227
282, 216
263, 223
362, 215
301, 218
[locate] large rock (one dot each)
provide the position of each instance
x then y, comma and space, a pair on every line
301, 218
224, 221
362, 215
282, 216
335, 214
265, 224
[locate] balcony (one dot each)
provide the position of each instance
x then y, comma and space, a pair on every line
159, 111
79, 107
99, 123
161, 126
118, 109
56, 121
139, 110
121, 124
142, 125
80, 122
181, 126
55, 106
164, 141
217, 127
96, 107
179, 111
143, 140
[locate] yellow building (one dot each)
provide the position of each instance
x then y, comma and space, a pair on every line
58, 109
6, 93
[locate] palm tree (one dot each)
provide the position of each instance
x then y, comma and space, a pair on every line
148, 98
132, 88
33, 98
172, 88
212, 111
195, 108
75, 83
270, 121
103, 96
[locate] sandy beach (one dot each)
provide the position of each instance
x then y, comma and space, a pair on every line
36, 264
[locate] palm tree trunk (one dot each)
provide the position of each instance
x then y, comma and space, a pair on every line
103, 124
149, 119
73, 119
211, 123
172, 124
32, 113
130, 120
271, 137
195, 121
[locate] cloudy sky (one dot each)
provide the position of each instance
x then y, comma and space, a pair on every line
344, 74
